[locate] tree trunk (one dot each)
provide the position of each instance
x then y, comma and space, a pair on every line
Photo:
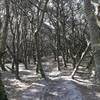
3, 95
94, 35
3, 38
39, 65
58, 35
81, 59
37, 40
17, 51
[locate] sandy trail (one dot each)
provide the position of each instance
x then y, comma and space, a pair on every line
58, 86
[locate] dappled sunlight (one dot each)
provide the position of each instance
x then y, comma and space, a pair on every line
28, 76
21, 67
46, 63
55, 89
62, 89
98, 94
26, 72
82, 81
54, 73
8, 64
35, 90
38, 84
18, 84
54, 93
50, 49
60, 85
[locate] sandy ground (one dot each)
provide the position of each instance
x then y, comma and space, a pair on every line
58, 86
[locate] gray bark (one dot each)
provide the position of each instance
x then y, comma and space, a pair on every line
3, 38
94, 35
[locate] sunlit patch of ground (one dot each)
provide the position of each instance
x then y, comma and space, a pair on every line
14, 87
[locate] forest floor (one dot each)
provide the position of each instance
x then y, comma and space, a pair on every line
58, 86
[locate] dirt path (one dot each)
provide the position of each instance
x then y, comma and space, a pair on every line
53, 90
58, 87
90, 92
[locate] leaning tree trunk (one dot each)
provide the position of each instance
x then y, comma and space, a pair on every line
94, 35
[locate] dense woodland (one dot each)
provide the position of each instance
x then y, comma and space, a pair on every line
64, 30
